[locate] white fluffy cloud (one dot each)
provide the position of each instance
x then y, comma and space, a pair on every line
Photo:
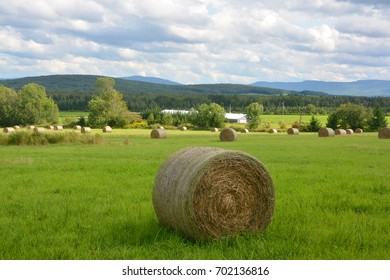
197, 41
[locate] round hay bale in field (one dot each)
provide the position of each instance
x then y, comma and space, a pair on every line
183, 128
326, 132
39, 129
228, 134
107, 129
273, 130
207, 193
349, 131
340, 131
158, 133
384, 133
58, 128
214, 129
77, 127
245, 131
8, 129
51, 127
292, 131
16, 127
358, 130
86, 129
30, 127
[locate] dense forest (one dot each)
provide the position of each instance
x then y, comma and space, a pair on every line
73, 92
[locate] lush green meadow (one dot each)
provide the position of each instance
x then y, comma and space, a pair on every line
79, 201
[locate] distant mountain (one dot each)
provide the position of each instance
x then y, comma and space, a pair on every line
153, 80
357, 88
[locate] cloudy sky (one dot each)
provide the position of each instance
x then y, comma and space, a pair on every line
197, 41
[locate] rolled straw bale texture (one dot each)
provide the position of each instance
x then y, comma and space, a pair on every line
214, 129
326, 132
39, 129
207, 193
77, 127
58, 127
293, 131
349, 131
272, 130
8, 129
107, 129
358, 130
340, 131
86, 129
384, 133
158, 133
228, 134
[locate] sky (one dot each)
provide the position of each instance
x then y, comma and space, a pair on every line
197, 41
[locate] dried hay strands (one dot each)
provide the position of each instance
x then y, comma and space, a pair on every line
58, 128
158, 133
273, 130
384, 133
107, 129
39, 129
349, 131
358, 130
293, 131
8, 129
207, 193
86, 129
340, 131
326, 132
228, 134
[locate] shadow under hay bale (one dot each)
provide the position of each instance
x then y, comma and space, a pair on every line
326, 132
208, 193
228, 134
358, 130
292, 131
39, 129
384, 133
273, 131
86, 129
158, 133
107, 129
8, 129
340, 131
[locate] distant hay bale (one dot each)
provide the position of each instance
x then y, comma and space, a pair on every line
384, 133
340, 131
8, 129
207, 193
30, 127
214, 129
183, 128
160, 127
245, 131
58, 128
39, 129
326, 132
293, 131
358, 130
158, 133
77, 127
228, 134
107, 129
273, 130
349, 131
51, 127
16, 127
86, 129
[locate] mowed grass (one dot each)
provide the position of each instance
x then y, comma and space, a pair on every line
75, 201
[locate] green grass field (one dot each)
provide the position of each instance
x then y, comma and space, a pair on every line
77, 201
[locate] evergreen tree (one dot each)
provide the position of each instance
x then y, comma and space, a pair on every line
314, 125
378, 120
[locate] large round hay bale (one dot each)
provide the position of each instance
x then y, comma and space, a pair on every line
214, 129
273, 130
158, 133
58, 128
293, 131
358, 130
326, 132
86, 129
228, 134
207, 193
8, 129
384, 133
39, 129
107, 129
340, 131
349, 131
77, 127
